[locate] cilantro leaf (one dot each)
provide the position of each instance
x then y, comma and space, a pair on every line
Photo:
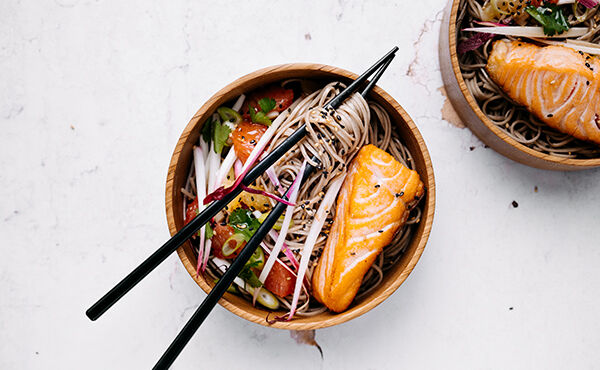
207, 130
221, 134
209, 232
259, 117
244, 222
267, 104
249, 276
550, 17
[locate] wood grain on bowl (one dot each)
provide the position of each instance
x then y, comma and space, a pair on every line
182, 159
473, 117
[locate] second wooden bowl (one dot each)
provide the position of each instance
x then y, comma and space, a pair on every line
472, 116
182, 159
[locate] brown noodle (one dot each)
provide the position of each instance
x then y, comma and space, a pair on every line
360, 123
507, 115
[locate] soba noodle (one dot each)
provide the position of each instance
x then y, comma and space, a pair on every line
515, 120
357, 123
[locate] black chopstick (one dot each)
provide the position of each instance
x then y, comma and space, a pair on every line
187, 231
376, 78
225, 281
156, 258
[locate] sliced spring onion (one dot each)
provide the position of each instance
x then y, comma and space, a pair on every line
289, 211
277, 225
229, 115
527, 31
201, 193
265, 297
312, 236
254, 155
236, 240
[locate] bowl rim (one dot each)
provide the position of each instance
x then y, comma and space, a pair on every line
577, 163
426, 218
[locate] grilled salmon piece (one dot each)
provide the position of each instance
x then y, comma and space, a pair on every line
557, 84
374, 202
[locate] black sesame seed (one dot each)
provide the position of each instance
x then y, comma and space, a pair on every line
515, 204
380, 231
587, 82
377, 186
550, 115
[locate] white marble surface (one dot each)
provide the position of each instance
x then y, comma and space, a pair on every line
93, 97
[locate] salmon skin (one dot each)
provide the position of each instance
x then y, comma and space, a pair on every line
373, 204
557, 84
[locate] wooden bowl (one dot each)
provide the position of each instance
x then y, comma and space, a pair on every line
473, 117
182, 159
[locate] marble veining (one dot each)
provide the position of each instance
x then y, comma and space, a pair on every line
93, 96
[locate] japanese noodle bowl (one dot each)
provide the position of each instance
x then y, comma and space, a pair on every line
513, 114
279, 286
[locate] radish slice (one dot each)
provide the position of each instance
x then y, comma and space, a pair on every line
488, 23
289, 211
274, 180
528, 31
201, 193
224, 169
237, 168
288, 253
311, 238
238, 103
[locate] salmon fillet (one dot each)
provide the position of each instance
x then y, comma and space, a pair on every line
557, 84
373, 203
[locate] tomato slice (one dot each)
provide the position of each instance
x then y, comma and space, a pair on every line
245, 136
283, 99
280, 281
191, 211
220, 235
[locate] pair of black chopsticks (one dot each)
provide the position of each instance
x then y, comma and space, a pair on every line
211, 210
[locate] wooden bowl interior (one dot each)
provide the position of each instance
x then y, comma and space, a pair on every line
182, 159
472, 115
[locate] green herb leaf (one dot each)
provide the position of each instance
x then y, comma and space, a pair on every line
550, 17
229, 115
261, 117
249, 276
221, 134
207, 130
209, 232
267, 104
244, 222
